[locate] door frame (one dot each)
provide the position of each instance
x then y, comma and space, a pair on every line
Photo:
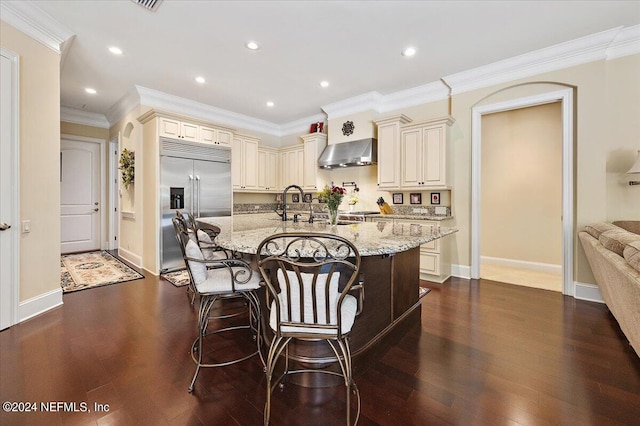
114, 194
13, 160
103, 190
566, 97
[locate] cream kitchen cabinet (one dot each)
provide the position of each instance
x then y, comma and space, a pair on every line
424, 151
216, 136
291, 166
389, 151
244, 163
267, 169
177, 129
314, 144
435, 260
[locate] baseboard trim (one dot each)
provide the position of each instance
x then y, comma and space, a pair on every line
522, 264
461, 271
588, 292
40, 304
134, 259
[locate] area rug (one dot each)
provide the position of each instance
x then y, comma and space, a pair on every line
93, 269
178, 278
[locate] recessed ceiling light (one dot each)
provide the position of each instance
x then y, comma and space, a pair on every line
252, 45
409, 51
115, 50
270, 104
324, 84
200, 79
90, 91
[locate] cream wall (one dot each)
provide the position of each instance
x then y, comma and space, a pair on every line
593, 144
521, 184
39, 162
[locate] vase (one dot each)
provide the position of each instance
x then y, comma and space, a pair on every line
351, 206
333, 216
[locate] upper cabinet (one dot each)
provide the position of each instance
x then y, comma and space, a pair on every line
177, 129
188, 131
267, 169
314, 144
291, 166
216, 136
244, 163
389, 151
415, 158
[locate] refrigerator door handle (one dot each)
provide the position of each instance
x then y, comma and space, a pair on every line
191, 181
198, 194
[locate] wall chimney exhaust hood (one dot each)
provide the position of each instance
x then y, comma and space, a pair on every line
362, 152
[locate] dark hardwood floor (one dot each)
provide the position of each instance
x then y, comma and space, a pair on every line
485, 353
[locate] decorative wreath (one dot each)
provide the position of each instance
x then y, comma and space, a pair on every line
127, 167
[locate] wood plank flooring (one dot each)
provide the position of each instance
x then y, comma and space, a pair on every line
485, 353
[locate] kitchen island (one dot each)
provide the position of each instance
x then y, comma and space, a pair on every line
390, 269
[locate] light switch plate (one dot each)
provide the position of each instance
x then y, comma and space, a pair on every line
441, 210
26, 226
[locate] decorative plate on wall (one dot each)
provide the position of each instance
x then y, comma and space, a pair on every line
347, 128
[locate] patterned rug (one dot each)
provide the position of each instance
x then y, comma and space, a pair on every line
178, 278
93, 269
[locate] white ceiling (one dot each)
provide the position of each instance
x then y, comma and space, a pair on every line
354, 45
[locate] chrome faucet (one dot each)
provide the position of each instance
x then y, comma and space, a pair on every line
284, 200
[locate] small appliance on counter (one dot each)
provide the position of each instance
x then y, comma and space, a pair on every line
385, 208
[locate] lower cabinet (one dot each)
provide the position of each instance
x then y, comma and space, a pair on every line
435, 260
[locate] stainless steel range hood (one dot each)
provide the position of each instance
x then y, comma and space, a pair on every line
362, 152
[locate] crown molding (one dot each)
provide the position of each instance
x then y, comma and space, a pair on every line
301, 125
163, 101
34, 22
364, 102
124, 106
626, 42
419, 95
574, 52
77, 116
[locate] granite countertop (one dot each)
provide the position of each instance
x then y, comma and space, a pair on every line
243, 233
410, 216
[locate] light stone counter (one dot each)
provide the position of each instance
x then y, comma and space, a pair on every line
409, 216
243, 233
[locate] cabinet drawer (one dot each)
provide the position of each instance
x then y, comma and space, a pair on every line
429, 263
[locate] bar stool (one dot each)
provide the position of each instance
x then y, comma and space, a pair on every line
214, 280
309, 277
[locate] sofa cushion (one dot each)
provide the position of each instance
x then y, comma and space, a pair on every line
617, 239
632, 255
595, 229
629, 225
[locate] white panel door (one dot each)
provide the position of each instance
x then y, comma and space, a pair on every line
79, 196
9, 227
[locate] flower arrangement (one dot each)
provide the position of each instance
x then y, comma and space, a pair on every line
353, 200
333, 197
127, 167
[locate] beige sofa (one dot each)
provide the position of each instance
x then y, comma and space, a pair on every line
613, 251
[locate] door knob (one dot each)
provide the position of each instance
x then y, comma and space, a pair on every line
4, 226
95, 204
96, 209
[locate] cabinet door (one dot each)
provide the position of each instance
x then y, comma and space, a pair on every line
412, 162
224, 137
169, 128
434, 155
310, 166
236, 164
388, 157
189, 132
272, 170
207, 135
262, 169
429, 262
250, 164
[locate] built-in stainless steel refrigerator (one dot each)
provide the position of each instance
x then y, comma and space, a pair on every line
196, 178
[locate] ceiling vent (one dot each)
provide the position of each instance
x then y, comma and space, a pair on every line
151, 5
